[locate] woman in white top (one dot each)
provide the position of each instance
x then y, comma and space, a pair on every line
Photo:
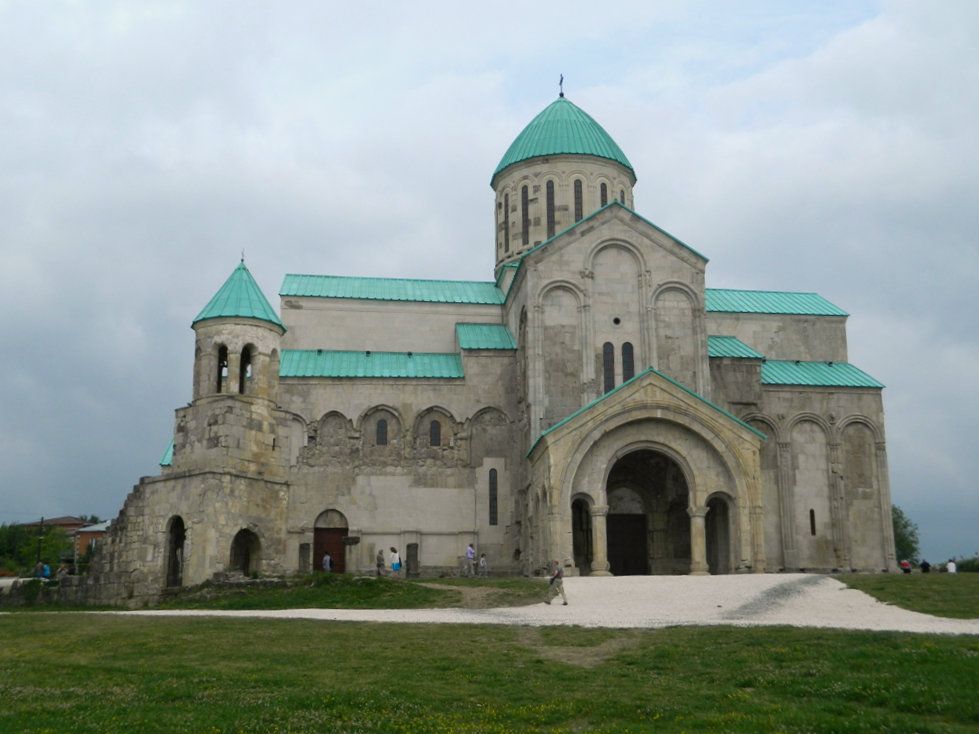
395, 560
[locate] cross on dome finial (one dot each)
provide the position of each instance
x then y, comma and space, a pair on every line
560, 86
243, 255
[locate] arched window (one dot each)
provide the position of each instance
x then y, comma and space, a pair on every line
550, 209
435, 433
622, 196
608, 365
382, 432
812, 522
506, 222
493, 513
525, 214
222, 367
244, 370
579, 204
628, 366
604, 193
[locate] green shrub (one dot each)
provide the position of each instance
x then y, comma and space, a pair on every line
968, 565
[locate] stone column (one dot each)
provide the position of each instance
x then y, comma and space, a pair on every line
599, 541
698, 541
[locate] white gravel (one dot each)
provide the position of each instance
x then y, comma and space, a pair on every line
798, 600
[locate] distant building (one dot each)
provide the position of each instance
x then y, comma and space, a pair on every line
594, 403
89, 536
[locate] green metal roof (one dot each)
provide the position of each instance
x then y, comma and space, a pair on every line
562, 128
484, 336
392, 289
815, 374
239, 297
167, 458
648, 370
730, 346
725, 300
331, 363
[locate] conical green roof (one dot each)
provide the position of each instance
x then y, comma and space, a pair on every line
564, 128
239, 297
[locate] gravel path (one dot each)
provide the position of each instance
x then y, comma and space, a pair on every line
798, 600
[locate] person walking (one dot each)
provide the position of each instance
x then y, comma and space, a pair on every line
556, 585
470, 560
483, 567
327, 562
395, 560
379, 561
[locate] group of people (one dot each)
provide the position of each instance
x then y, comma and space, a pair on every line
925, 567
472, 567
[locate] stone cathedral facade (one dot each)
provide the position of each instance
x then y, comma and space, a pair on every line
594, 403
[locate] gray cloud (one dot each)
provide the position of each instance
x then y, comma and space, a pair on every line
143, 147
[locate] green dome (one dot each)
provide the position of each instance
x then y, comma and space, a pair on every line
562, 128
239, 297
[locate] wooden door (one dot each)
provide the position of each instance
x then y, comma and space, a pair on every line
330, 539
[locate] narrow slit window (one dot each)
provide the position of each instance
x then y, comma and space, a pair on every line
579, 204
506, 222
628, 365
222, 367
382, 432
604, 194
493, 492
550, 209
608, 366
812, 522
525, 215
622, 196
244, 370
435, 434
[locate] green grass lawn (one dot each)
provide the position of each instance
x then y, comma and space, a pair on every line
342, 591
99, 673
942, 594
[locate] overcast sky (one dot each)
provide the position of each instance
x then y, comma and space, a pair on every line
829, 147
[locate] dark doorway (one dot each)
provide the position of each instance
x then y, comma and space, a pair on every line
245, 553
627, 552
647, 526
329, 531
718, 529
581, 535
175, 552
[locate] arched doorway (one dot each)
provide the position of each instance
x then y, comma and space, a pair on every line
647, 526
329, 530
717, 526
176, 535
245, 553
581, 535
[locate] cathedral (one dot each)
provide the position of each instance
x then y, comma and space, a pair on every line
594, 402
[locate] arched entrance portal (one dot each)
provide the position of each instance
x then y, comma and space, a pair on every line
245, 553
581, 535
717, 526
648, 527
329, 530
176, 535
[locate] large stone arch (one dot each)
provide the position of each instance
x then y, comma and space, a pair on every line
678, 342
865, 509
809, 440
560, 350
708, 461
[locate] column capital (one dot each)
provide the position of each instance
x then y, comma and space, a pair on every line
697, 511
598, 510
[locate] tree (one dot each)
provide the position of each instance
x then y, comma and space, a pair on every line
905, 536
